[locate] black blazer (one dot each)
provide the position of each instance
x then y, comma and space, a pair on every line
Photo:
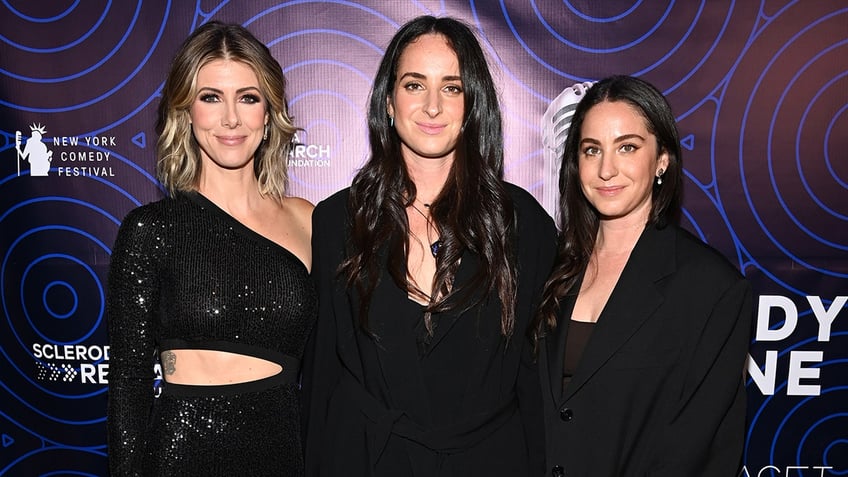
468, 406
659, 389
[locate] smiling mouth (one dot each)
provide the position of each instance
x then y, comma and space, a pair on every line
231, 140
611, 190
431, 128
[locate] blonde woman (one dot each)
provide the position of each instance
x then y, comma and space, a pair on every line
214, 281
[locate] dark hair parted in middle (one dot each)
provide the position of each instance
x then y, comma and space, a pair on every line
578, 220
473, 211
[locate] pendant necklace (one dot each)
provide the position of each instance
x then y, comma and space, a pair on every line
434, 246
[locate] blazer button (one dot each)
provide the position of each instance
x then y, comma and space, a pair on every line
566, 414
557, 471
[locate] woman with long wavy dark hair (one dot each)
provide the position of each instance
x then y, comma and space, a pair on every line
428, 268
643, 328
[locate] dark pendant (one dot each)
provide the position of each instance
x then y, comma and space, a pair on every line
435, 246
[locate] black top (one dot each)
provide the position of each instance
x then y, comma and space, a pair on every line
578, 335
467, 405
184, 271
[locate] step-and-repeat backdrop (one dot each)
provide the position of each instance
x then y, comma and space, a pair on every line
760, 90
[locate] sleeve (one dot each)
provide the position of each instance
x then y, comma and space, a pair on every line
706, 434
132, 302
538, 242
321, 365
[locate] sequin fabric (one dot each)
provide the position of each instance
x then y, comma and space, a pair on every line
183, 269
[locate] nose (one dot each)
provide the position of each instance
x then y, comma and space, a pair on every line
433, 105
230, 118
608, 168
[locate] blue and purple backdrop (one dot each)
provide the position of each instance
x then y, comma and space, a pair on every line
759, 87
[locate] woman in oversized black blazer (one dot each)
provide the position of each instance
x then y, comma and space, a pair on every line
643, 330
470, 406
429, 269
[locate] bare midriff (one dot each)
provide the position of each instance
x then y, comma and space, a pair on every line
209, 367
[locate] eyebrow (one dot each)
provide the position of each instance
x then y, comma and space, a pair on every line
421, 76
238, 91
618, 139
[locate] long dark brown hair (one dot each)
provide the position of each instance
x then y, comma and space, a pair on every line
578, 220
473, 212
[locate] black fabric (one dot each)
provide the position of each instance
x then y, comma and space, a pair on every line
465, 404
183, 270
253, 433
578, 335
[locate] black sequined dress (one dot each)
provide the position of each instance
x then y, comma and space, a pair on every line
185, 274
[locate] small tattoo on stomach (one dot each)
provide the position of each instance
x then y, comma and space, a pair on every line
169, 362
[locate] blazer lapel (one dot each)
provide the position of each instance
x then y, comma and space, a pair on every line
634, 298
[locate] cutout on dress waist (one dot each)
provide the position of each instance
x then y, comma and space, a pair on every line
210, 363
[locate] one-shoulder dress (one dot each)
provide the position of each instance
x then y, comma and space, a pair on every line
185, 274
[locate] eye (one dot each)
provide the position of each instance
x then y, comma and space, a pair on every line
453, 89
591, 151
251, 99
209, 98
626, 148
413, 86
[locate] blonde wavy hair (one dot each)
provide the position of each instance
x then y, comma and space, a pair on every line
178, 154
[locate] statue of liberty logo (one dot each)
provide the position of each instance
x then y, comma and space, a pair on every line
35, 151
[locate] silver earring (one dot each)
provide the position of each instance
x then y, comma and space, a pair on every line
265, 136
391, 121
659, 176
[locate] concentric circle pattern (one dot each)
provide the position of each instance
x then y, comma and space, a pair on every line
329, 86
804, 431
776, 121
759, 89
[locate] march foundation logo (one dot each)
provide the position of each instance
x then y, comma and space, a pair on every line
74, 156
308, 155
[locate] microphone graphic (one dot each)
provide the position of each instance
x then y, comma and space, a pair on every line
18, 148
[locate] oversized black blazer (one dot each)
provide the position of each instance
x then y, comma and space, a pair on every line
470, 406
659, 389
